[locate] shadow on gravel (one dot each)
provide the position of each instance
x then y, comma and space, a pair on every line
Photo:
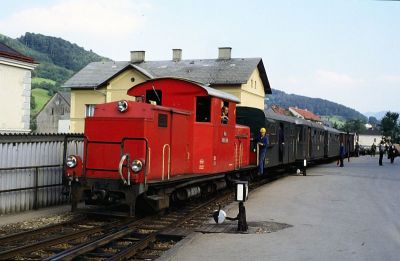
260, 227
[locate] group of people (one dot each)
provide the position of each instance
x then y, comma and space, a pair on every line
382, 148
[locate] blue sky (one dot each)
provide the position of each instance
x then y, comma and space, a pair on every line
344, 51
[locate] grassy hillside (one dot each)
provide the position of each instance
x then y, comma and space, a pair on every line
335, 119
38, 80
41, 97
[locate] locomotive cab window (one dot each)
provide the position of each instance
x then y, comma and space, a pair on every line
203, 109
154, 97
224, 112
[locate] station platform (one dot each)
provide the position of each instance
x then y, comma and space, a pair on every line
333, 213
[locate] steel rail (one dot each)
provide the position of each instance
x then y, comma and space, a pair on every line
71, 253
11, 253
143, 243
32, 233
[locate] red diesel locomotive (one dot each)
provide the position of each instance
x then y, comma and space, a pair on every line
168, 144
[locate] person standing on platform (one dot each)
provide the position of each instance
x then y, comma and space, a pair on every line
373, 149
341, 154
348, 147
357, 149
391, 153
381, 152
262, 143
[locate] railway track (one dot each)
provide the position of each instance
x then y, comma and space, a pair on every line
140, 239
24, 245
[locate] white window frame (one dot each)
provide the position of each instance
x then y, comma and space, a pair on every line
89, 110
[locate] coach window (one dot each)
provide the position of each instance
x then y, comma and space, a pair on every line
203, 109
154, 96
272, 134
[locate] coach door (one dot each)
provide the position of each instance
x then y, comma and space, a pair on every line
281, 140
326, 144
309, 147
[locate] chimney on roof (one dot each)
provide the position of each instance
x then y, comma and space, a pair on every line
224, 53
176, 55
137, 56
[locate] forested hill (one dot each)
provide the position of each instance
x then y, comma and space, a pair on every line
316, 105
58, 59
60, 51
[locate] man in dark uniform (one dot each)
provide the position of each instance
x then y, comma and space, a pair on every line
373, 149
391, 153
381, 152
341, 154
262, 143
357, 149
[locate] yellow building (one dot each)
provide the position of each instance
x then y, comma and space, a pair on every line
101, 82
15, 83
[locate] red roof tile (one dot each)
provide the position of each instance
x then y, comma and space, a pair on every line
308, 115
280, 110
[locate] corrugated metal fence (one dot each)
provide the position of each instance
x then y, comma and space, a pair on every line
31, 169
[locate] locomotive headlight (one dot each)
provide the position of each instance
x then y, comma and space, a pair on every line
71, 161
137, 166
122, 106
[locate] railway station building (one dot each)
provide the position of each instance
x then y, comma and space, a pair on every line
101, 82
15, 81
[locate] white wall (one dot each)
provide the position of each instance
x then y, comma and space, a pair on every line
15, 86
63, 126
367, 140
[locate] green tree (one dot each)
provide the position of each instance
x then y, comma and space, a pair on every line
353, 126
390, 126
33, 124
33, 103
373, 121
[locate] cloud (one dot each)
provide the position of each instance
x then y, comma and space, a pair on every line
338, 80
391, 79
80, 16
90, 22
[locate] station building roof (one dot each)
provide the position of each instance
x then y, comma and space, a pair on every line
233, 71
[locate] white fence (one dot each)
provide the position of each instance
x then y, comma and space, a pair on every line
31, 170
